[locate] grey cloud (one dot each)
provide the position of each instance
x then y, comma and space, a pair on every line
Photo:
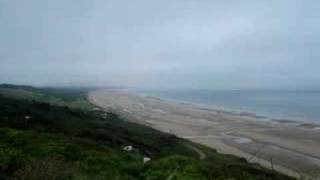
170, 44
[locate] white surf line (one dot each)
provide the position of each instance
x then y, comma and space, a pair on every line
206, 122
141, 105
159, 110
243, 140
237, 139
194, 137
316, 128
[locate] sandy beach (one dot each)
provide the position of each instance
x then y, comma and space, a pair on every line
287, 146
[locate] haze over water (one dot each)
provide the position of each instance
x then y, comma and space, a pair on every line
289, 105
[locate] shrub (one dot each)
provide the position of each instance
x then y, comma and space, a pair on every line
49, 168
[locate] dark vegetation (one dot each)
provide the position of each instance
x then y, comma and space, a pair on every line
71, 97
40, 140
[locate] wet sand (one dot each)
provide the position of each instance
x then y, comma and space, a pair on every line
289, 147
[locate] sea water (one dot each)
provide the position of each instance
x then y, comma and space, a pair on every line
289, 105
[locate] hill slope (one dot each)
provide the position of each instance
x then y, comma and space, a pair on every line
43, 139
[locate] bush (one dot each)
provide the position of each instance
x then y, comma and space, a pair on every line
49, 168
10, 160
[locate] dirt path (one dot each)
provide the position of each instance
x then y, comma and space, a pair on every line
171, 176
201, 154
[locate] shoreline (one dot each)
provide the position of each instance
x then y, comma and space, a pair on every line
250, 114
293, 148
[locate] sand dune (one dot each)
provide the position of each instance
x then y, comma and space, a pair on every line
291, 148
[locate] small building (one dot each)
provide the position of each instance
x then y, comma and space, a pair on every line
128, 148
146, 159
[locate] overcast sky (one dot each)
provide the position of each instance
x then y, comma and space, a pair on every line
230, 44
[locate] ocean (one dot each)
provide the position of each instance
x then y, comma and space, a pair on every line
288, 105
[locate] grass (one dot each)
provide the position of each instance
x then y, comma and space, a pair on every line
61, 141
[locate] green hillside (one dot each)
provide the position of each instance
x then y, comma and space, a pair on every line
71, 97
54, 133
